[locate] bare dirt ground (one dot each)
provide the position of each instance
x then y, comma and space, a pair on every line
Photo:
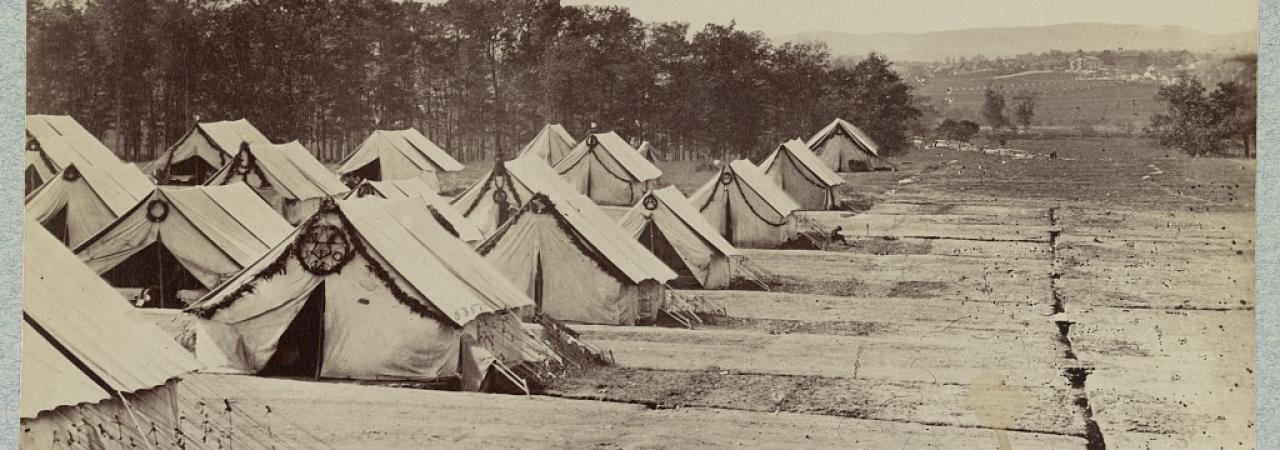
1102, 300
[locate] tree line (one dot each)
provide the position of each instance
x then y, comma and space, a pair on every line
477, 76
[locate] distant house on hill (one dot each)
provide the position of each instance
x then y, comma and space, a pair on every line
1081, 62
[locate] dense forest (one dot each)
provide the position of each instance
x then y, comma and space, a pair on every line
477, 76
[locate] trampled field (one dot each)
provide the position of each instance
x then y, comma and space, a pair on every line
1062, 100
1058, 304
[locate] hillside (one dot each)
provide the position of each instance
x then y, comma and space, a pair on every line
995, 42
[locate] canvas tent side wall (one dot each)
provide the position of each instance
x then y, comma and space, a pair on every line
803, 176
746, 207
607, 170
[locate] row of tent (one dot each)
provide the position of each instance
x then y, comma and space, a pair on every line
292, 273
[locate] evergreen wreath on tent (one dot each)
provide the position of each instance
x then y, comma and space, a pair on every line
335, 259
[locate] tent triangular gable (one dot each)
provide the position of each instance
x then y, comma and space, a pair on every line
612, 148
551, 144
848, 129
672, 199
82, 200
749, 176
429, 149
212, 230
440, 271
227, 135
608, 238
69, 303
289, 168
409, 144
804, 160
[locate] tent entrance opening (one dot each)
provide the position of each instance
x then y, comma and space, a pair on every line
158, 273
299, 351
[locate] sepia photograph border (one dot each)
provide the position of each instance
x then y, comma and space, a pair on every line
12, 120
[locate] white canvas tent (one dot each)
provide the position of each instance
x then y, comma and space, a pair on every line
453, 221
496, 197
56, 142
746, 207
670, 227
287, 176
608, 170
396, 155
81, 201
204, 149
803, 176
180, 241
93, 376
845, 148
551, 145
368, 289
576, 264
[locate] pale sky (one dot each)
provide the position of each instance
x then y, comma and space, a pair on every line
776, 18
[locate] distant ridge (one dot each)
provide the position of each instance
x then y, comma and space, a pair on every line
994, 42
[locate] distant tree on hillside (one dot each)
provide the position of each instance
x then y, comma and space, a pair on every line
1200, 122
962, 130
1024, 109
1187, 118
873, 96
993, 109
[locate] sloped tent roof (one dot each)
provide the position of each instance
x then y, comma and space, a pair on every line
212, 230
813, 173
853, 132
520, 178
619, 158
289, 168
224, 136
551, 145
404, 145
457, 224
64, 142
92, 197
646, 150
70, 317
442, 288
682, 224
